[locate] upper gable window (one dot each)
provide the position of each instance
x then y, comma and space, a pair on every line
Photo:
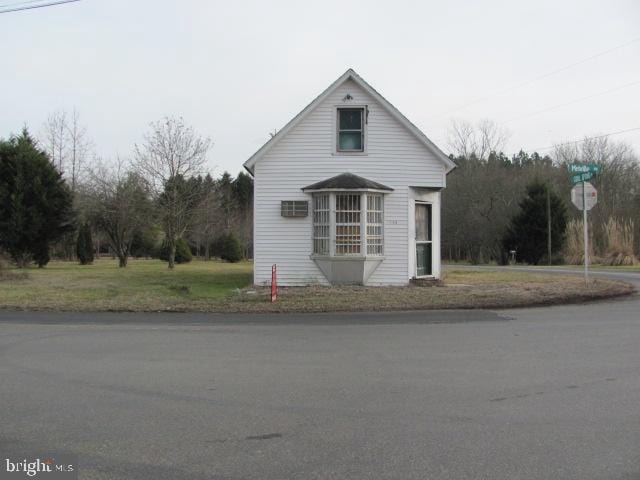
350, 130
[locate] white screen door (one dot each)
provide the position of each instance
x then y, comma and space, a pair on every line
424, 243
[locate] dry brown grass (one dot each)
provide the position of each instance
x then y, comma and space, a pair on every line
461, 290
620, 241
574, 246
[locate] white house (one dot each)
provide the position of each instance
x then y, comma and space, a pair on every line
348, 192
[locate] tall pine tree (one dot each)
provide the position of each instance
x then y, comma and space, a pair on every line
35, 202
527, 233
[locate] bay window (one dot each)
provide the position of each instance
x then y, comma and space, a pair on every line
355, 228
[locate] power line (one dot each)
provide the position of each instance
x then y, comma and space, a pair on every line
571, 102
20, 3
540, 77
49, 4
587, 138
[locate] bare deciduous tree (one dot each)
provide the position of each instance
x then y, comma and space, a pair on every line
67, 142
79, 147
467, 140
170, 153
119, 206
617, 183
54, 138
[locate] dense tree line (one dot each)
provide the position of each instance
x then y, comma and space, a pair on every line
161, 203
485, 194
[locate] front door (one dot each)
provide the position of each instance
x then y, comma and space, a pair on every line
424, 242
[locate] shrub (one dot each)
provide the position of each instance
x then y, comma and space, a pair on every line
183, 252
84, 245
9, 275
147, 242
230, 248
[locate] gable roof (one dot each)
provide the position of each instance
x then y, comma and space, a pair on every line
351, 75
347, 181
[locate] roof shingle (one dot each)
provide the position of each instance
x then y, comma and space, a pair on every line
347, 181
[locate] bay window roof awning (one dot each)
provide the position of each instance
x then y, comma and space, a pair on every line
347, 181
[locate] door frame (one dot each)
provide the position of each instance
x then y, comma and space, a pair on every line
422, 242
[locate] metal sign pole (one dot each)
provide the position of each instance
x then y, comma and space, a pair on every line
586, 232
548, 225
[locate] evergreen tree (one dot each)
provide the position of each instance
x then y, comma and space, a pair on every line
231, 250
84, 245
527, 233
35, 202
183, 252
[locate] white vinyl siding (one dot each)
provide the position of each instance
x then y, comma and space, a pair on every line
306, 155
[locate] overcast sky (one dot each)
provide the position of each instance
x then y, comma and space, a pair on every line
236, 70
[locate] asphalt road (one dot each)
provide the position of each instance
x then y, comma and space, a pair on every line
543, 393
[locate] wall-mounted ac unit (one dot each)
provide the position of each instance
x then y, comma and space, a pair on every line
294, 208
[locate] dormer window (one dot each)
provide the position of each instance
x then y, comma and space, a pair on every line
350, 134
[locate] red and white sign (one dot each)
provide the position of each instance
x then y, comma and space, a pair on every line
590, 195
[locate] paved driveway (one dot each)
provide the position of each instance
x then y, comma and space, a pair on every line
534, 393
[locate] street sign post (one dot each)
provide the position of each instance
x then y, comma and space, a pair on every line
583, 168
581, 177
584, 196
582, 172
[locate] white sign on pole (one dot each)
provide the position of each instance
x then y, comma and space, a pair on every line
589, 196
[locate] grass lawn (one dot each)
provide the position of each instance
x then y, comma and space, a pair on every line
142, 285
148, 285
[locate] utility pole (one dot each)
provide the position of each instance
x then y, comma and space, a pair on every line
548, 226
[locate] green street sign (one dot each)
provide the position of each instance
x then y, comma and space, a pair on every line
584, 168
582, 177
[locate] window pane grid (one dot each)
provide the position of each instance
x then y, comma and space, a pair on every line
375, 224
350, 129
321, 224
347, 224
423, 222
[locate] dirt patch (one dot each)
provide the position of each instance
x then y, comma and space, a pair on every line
468, 290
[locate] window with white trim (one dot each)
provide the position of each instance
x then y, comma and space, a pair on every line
355, 228
321, 224
375, 225
350, 130
348, 240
